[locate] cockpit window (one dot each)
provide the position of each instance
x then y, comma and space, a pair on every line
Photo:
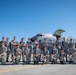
39, 35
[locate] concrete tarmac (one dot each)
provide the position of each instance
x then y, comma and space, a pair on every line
50, 69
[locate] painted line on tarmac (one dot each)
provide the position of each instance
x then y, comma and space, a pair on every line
19, 68
16, 69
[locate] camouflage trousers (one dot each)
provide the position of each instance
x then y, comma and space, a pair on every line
3, 58
36, 59
63, 59
72, 58
55, 58
16, 59
45, 59
26, 59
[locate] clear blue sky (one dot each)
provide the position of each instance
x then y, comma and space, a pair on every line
25, 18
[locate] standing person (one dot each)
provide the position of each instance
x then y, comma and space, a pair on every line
35, 42
50, 47
45, 55
40, 44
22, 46
27, 55
14, 44
18, 54
37, 54
65, 46
2, 41
29, 43
70, 43
54, 54
45, 43
30, 46
75, 45
3, 50
8, 46
58, 45
41, 48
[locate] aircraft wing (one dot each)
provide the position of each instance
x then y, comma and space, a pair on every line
58, 32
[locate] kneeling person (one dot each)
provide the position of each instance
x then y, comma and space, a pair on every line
3, 50
62, 57
45, 55
37, 54
27, 55
72, 54
54, 55
18, 54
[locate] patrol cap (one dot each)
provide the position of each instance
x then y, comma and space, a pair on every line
54, 45
22, 38
14, 36
71, 39
64, 37
62, 50
45, 38
7, 38
3, 37
29, 39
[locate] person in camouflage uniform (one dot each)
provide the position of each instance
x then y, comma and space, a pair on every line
54, 54
63, 57
18, 54
36, 54
26, 55
3, 50
72, 54
45, 55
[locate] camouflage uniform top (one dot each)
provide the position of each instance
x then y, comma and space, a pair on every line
58, 45
18, 51
64, 44
55, 51
8, 45
37, 51
72, 50
2, 49
70, 45
27, 52
45, 52
22, 45
13, 41
62, 54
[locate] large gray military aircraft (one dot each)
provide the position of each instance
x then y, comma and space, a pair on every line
48, 36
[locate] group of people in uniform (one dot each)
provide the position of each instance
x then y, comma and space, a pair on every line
54, 53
